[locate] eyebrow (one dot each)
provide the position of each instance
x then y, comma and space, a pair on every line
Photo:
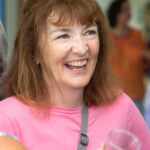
90, 25
66, 29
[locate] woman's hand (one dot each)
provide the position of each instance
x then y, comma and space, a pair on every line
102, 146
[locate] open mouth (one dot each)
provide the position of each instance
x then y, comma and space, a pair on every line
77, 65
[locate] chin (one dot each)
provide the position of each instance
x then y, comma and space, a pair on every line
80, 85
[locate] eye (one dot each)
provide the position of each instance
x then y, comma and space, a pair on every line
63, 36
90, 32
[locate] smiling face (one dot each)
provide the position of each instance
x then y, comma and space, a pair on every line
69, 54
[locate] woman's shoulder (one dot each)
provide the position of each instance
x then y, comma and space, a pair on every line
125, 106
11, 105
9, 102
119, 114
123, 100
136, 32
122, 104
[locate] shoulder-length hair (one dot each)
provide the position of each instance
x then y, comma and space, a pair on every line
114, 10
24, 78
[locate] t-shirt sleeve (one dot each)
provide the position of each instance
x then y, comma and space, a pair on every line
137, 125
6, 125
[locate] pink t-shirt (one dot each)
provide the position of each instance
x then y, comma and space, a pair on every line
60, 131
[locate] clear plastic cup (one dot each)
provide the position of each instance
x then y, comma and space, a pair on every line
119, 139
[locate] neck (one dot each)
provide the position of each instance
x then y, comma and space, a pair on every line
121, 30
68, 98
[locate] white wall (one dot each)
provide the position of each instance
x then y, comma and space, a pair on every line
137, 9
104, 4
11, 20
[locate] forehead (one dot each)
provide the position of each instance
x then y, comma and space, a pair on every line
53, 19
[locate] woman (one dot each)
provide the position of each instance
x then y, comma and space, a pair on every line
59, 67
128, 51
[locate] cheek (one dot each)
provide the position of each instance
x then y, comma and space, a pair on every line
122, 16
60, 51
47, 57
94, 49
50, 54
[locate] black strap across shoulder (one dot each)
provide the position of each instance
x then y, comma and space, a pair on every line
83, 142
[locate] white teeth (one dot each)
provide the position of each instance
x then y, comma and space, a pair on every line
78, 63
77, 69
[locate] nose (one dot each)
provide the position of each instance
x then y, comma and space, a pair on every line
80, 46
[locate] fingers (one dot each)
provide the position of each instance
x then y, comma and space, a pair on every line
102, 146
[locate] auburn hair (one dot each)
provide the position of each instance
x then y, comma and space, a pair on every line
24, 77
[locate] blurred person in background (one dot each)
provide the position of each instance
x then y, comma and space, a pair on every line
3, 52
128, 51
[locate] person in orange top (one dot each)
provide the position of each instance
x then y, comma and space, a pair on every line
128, 50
